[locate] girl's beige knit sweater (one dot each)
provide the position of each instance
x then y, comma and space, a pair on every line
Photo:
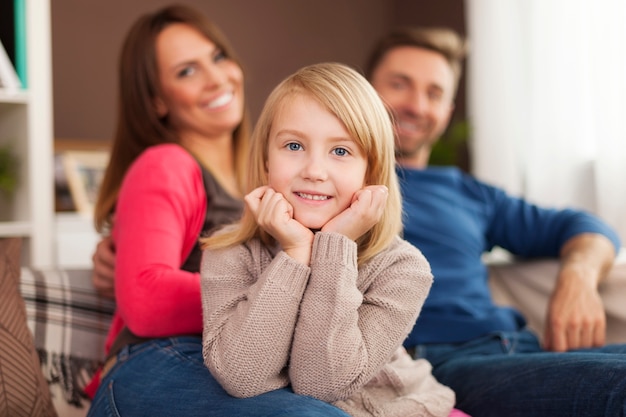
331, 330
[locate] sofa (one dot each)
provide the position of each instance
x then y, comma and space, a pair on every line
68, 321
527, 284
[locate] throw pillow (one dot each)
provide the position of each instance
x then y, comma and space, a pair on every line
23, 388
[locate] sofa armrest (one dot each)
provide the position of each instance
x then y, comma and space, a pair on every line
527, 285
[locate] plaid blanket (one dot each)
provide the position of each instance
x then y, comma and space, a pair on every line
69, 322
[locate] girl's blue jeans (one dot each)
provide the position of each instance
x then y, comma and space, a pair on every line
167, 377
509, 374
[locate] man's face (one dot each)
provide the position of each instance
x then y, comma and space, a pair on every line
418, 85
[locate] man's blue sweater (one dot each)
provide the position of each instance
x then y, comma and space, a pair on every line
453, 218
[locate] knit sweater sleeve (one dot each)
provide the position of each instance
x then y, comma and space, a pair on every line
250, 305
352, 320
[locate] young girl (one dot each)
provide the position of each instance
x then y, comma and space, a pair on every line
313, 290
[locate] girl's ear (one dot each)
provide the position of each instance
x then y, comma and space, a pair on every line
160, 107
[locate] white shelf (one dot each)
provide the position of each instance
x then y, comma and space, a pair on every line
15, 229
26, 126
17, 97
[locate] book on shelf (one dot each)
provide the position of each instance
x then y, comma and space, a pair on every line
13, 39
20, 40
9, 81
7, 27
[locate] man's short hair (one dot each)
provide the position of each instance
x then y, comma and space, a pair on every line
442, 40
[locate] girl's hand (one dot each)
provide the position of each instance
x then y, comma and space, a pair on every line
366, 209
275, 215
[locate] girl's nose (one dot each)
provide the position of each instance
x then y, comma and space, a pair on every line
314, 168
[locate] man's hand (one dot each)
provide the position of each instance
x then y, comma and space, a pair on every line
103, 277
576, 317
366, 209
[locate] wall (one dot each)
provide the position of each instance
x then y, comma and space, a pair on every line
273, 38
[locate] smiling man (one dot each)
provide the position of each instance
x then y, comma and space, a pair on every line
484, 352
421, 99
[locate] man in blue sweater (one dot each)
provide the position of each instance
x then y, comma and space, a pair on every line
484, 352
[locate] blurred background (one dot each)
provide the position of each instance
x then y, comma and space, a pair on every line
541, 108
272, 37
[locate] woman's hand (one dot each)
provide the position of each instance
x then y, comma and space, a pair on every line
103, 276
275, 215
366, 209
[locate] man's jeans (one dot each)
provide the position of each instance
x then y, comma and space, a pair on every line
508, 374
167, 377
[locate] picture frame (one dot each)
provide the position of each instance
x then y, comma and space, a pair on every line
84, 171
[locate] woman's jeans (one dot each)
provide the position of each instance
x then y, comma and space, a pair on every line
167, 377
508, 374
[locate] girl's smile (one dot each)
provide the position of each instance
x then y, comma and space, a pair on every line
315, 197
313, 162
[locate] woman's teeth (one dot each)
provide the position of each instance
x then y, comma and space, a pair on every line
221, 100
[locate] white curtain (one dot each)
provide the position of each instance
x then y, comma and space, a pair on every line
547, 101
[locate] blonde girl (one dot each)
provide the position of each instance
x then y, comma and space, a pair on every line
313, 290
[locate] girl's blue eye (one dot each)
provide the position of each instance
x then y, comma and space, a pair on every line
294, 146
341, 151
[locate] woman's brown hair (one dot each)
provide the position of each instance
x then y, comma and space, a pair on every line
138, 124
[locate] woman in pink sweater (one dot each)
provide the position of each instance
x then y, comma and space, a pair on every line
178, 157
313, 290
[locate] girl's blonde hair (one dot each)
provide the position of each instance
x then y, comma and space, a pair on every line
350, 97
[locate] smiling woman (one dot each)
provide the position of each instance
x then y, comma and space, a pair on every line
177, 112
176, 166
174, 174
201, 96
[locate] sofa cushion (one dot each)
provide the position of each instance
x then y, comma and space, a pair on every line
23, 388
